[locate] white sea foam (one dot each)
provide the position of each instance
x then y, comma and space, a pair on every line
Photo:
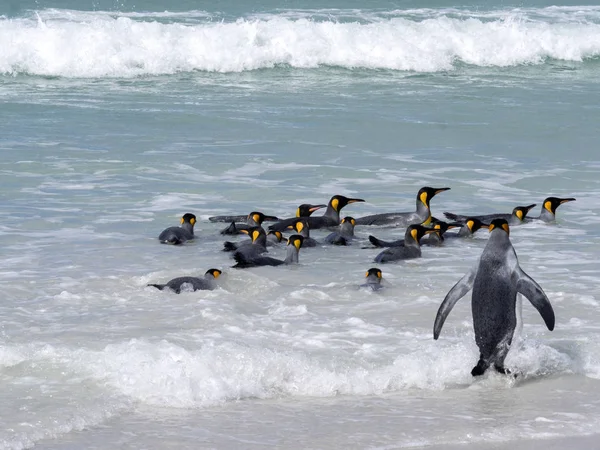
102, 45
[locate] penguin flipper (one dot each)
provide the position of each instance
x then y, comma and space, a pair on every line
158, 286
455, 217
534, 293
379, 243
458, 291
229, 246
231, 229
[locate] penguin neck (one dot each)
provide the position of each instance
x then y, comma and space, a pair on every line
423, 210
411, 242
332, 213
188, 227
372, 279
546, 215
260, 240
499, 239
347, 229
292, 255
305, 232
465, 231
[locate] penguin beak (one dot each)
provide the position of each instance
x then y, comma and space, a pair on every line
355, 200
437, 191
528, 208
271, 219
315, 208
565, 200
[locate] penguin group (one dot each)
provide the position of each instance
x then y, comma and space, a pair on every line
495, 280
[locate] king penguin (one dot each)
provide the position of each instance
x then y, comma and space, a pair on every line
515, 218
373, 279
301, 227
548, 213
331, 217
179, 235
344, 234
244, 260
410, 247
256, 246
194, 283
495, 280
403, 219
254, 219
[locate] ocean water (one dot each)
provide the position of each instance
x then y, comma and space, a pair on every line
117, 118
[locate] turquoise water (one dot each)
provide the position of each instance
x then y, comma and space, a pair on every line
117, 119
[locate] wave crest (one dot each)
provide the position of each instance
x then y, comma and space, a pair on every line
102, 45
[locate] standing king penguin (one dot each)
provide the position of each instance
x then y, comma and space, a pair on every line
496, 280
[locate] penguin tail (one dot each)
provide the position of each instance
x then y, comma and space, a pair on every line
158, 286
229, 246
241, 261
376, 242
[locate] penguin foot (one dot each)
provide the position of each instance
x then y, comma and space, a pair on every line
480, 368
503, 370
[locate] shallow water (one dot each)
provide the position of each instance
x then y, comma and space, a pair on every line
105, 145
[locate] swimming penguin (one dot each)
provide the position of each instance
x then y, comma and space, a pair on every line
178, 235
470, 226
549, 206
274, 237
344, 235
192, 283
496, 280
245, 260
373, 279
331, 217
432, 239
302, 227
304, 210
439, 236
403, 219
254, 219
515, 218
256, 246
410, 247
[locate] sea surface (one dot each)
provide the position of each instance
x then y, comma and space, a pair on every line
117, 117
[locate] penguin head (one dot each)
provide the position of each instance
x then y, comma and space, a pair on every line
374, 271
474, 224
259, 217
442, 227
551, 203
188, 218
426, 193
521, 211
299, 225
254, 233
500, 224
278, 235
213, 272
337, 202
295, 240
349, 219
416, 232
305, 209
